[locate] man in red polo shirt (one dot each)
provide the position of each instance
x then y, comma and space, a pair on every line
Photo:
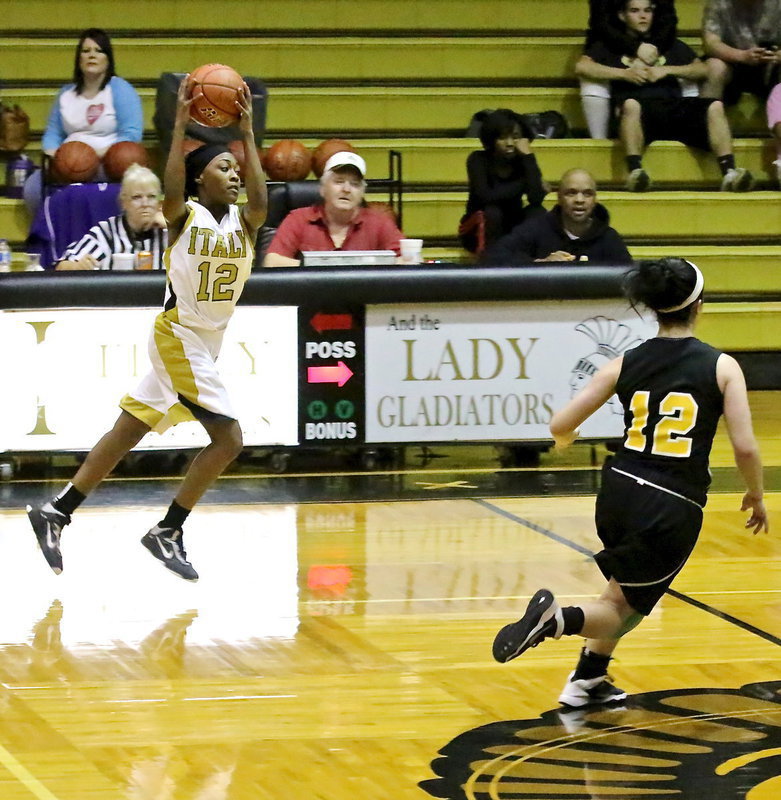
341, 222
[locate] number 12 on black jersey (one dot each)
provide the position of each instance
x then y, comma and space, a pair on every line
678, 415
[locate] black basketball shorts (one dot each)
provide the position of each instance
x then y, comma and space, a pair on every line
680, 119
648, 534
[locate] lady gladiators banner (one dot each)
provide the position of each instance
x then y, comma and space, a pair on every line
490, 371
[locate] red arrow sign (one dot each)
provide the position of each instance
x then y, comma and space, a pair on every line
331, 322
339, 374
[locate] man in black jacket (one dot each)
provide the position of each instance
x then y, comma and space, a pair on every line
576, 229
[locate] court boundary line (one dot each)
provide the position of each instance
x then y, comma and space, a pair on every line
723, 615
24, 776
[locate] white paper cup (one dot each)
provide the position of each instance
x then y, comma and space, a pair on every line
32, 262
411, 251
123, 261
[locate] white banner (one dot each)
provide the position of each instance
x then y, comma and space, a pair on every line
65, 370
489, 371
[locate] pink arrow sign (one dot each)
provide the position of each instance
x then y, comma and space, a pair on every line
339, 374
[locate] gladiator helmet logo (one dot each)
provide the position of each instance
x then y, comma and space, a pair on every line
686, 744
611, 338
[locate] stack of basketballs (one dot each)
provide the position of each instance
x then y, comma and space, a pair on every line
77, 162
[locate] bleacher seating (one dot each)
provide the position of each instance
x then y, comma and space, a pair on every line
409, 75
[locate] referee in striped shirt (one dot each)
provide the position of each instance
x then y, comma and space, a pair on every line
141, 226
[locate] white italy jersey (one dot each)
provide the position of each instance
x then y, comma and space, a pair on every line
208, 265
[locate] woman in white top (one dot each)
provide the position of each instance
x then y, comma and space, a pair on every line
98, 108
208, 261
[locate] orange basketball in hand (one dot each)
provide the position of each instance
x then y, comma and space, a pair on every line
287, 160
325, 150
75, 162
215, 92
121, 155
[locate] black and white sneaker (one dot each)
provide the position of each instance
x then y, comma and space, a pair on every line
576, 720
638, 180
542, 620
48, 523
166, 545
590, 691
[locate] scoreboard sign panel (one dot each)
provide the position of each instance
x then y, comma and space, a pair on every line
331, 375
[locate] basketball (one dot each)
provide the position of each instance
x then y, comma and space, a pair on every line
121, 155
75, 162
287, 160
215, 92
325, 150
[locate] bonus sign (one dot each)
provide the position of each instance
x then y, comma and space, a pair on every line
331, 378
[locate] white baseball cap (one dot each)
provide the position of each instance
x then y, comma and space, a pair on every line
346, 159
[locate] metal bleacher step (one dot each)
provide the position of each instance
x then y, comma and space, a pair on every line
751, 326
679, 216
671, 164
325, 15
518, 59
672, 216
729, 269
442, 161
372, 111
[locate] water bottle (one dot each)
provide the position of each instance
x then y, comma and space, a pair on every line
17, 171
5, 256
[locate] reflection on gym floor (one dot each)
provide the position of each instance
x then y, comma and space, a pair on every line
341, 650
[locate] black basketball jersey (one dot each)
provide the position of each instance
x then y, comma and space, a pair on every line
672, 404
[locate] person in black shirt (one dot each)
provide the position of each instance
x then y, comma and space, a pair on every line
576, 229
500, 175
673, 389
605, 27
648, 102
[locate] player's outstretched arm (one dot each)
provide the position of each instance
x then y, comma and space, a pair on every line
254, 211
737, 416
565, 424
174, 207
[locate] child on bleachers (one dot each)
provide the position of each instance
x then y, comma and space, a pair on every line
648, 102
604, 27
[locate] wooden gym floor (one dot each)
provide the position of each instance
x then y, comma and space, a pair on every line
338, 644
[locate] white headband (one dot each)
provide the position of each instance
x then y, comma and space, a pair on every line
699, 282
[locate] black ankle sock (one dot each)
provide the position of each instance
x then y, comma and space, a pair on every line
574, 619
590, 665
175, 516
726, 163
634, 162
68, 500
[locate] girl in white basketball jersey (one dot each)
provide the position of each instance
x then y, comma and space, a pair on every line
207, 263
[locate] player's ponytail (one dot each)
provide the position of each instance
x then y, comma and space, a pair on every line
669, 287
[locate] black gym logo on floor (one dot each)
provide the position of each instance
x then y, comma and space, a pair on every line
693, 743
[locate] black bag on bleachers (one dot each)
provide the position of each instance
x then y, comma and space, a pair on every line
165, 113
547, 125
541, 125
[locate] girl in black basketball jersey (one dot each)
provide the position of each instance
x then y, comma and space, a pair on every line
673, 389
